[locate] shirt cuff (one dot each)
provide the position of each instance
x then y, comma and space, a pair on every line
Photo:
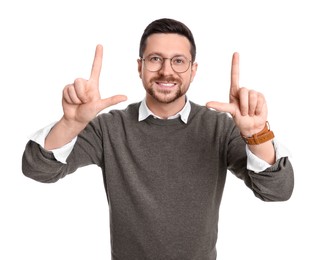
62, 153
257, 165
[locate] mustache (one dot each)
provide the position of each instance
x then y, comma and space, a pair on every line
166, 78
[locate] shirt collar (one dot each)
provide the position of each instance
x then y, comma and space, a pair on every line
144, 112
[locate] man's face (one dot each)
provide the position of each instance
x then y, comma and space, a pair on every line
166, 85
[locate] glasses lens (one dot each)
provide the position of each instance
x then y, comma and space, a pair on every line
153, 63
180, 64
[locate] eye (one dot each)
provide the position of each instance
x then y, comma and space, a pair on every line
155, 59
179, 60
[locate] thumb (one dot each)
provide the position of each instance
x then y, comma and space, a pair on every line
221, 107
108, 102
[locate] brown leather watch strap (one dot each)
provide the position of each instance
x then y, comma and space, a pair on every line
261, 137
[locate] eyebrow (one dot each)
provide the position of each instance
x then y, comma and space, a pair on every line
159, 54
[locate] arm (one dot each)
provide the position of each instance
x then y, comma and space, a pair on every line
81, 103
249, 111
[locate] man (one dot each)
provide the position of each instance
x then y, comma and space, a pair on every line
164, 160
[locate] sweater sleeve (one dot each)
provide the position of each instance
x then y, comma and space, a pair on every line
40, 164
275, 183
43, 166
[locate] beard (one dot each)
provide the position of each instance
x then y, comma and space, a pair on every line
165, 96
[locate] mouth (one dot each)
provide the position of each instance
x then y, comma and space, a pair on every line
165, 84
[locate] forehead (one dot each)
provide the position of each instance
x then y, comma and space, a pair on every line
167, 44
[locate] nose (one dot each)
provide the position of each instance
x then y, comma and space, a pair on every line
166, 67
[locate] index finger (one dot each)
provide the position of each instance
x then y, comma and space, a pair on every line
234, 87
96, 68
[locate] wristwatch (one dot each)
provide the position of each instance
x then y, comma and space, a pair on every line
261, 137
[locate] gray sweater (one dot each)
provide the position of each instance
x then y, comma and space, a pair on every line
164, 179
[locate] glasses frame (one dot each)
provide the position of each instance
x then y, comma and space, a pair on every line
163, 61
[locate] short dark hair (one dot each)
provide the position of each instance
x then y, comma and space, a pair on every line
166, 25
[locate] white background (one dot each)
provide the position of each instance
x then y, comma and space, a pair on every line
47, 44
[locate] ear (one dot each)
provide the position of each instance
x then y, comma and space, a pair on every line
193, 71
140, 67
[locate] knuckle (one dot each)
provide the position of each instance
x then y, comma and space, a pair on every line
253, 94
243, 90
78, 81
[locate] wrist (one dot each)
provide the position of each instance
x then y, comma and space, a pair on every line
70, 125
63, 132
261, 137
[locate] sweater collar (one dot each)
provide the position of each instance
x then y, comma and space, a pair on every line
144, 112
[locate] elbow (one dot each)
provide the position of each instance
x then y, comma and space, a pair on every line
37, 175
287, 181
275, 196
39, 171
276, 185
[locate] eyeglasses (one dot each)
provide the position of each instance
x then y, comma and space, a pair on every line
179, 64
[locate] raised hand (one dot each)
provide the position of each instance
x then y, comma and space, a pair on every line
81, 103
247, 107
81, 100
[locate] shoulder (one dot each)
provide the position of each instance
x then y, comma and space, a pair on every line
211, 116
211, 121
117, 116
